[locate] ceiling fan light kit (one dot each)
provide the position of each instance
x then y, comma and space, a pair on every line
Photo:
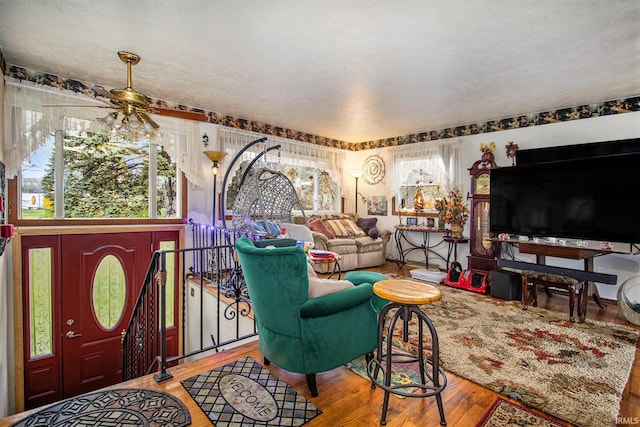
134, 107
135, 123
131, 127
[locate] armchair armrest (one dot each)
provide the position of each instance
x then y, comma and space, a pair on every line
336, 302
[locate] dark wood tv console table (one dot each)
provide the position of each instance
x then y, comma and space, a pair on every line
543, 249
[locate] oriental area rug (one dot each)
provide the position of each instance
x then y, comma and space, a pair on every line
244, 393
113, 408
401, 373
506, 414
573, 371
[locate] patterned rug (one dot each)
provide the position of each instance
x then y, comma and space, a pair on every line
505, 414
573, 371
112, 408
401, 373
244, 393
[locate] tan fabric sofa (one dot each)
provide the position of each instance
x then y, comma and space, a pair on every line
351, 242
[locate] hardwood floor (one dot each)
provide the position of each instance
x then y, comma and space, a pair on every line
346, 399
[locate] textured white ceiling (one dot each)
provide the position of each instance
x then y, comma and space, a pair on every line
354, 70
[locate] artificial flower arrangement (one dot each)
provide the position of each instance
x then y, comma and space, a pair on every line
452, 209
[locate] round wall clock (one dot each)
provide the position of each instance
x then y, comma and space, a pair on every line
373, 169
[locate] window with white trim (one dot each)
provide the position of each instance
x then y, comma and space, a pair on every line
433, 167
98, 178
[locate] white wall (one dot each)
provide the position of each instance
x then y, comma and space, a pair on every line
201, 199
6, 307
210, 318
606, 128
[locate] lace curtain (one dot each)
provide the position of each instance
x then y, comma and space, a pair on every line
28, 124
291, 152
182, 141
439, 160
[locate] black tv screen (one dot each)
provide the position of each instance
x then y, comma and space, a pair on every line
578, 151
586, 199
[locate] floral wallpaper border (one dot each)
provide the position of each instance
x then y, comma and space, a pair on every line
604, 108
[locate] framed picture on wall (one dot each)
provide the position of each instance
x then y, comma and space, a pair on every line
377, 205
412, 220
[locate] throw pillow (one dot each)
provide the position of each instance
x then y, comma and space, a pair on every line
344, 227
369, 226
319, 287
274, 243
262, 226
319, 226
374, 233
298, 232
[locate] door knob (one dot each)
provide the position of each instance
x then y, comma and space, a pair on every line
72, 334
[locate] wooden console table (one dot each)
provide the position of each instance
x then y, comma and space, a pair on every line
543, 249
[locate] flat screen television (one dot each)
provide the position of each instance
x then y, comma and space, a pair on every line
577, 151
585, 199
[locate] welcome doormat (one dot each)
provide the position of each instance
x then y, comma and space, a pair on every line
573, 371
244, 393
506, 414
113, 408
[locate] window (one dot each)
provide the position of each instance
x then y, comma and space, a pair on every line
313, 170
41, 143
424, 175
40, 302
98, 178
316, 187
431, 167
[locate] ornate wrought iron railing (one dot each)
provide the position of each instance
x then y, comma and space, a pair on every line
215, 310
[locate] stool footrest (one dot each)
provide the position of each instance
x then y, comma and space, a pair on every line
396, 388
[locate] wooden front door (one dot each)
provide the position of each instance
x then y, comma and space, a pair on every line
94, 313
95, 280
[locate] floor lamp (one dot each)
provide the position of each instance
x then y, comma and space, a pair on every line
215, 157
357, 174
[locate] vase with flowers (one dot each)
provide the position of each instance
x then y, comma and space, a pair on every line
453, 210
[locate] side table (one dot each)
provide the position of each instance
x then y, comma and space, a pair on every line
326, 258
453, 247
406, 296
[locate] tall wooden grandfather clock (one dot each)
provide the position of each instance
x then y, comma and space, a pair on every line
482, 251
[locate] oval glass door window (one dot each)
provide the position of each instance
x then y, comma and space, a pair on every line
109, 292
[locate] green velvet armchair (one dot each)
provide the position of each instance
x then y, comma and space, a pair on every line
297, 333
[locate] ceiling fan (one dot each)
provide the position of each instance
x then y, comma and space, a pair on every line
134, 105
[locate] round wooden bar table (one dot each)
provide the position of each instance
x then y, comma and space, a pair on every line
406, 296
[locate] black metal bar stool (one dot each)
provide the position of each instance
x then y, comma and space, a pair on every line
406, 296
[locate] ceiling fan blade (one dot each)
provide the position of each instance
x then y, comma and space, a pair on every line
77, 106
188, 115
104, 93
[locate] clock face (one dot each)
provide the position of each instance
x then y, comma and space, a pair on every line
483, 183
